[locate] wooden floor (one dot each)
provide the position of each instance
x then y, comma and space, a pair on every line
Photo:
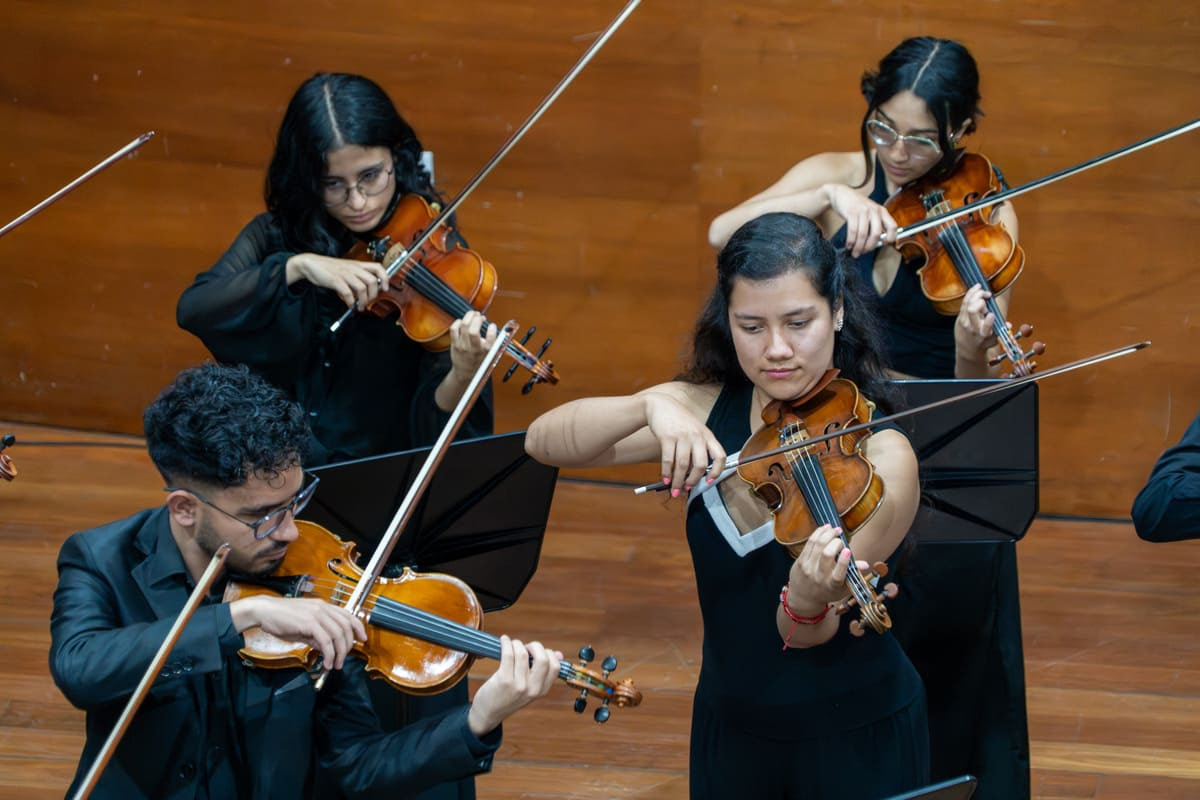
1110, 624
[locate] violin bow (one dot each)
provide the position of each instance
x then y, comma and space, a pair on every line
1054, 177
135, 701
508, 145
112, 159
391, 536
992, 388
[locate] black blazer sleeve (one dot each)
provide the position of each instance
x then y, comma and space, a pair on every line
1168, 507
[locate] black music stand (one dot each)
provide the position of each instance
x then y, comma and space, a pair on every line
481, 519
979, 461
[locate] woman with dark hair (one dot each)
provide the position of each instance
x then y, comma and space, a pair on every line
921, 102
789, 703
343, 159
958, 613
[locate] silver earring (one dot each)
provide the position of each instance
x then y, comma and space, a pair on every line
838, 326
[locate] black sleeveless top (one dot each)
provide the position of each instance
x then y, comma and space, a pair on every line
918, 340
746, 678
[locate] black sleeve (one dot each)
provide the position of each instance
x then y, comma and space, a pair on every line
98, 656
427, 420
1168, 507
242, 308
370, 764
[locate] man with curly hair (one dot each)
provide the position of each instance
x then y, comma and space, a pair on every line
231, 449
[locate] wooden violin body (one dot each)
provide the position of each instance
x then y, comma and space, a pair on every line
854, 488
831, 483
945, 269
964, 251
437, 284
422, 628
319, 564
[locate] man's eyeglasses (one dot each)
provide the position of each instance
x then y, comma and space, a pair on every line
265, 526
373, 182
919, 147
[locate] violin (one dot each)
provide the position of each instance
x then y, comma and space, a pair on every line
422, 628
832, 483
966, 250
8, 470
438, 283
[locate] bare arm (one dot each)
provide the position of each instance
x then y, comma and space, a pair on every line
664, 422
828, 188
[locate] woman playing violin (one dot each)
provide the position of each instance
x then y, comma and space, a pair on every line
921, 102
783, 708
343, 159
957, 614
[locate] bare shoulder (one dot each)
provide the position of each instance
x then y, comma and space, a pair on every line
847, 168
892, 454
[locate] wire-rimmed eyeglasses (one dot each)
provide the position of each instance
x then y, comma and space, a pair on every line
266, 525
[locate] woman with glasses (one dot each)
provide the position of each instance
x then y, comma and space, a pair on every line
343, 158
921, 102
958, 613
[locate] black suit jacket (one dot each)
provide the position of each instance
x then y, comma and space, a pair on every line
120, 588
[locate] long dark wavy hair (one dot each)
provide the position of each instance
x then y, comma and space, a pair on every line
328, 111
221, 425
939, 71
765, 248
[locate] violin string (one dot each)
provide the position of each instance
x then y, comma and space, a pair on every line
806, 469
429, 285
409, 620
405, 619
964, 260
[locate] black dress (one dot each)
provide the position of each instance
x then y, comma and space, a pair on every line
368, 390
958, 615
844, 719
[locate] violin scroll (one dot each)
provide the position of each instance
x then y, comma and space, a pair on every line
588, 681
8, 470
1023, 365
874, 612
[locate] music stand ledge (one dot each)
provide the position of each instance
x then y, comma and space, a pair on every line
481, 520
979, 461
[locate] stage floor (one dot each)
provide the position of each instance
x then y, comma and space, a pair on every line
1110, 633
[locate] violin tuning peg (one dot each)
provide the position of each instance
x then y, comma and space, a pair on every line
580, 704
1023, 331
857, 629
544, 348
532, 382
528, 333
510, 372
610, 663
890, 591
602, 714
586, 654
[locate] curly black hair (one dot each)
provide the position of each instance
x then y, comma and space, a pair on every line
769, 246
221, 425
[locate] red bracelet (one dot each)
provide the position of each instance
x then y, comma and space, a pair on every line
793, 616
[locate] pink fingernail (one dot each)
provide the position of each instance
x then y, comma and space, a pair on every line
674, 493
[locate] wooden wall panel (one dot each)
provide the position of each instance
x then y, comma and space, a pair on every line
597, 220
